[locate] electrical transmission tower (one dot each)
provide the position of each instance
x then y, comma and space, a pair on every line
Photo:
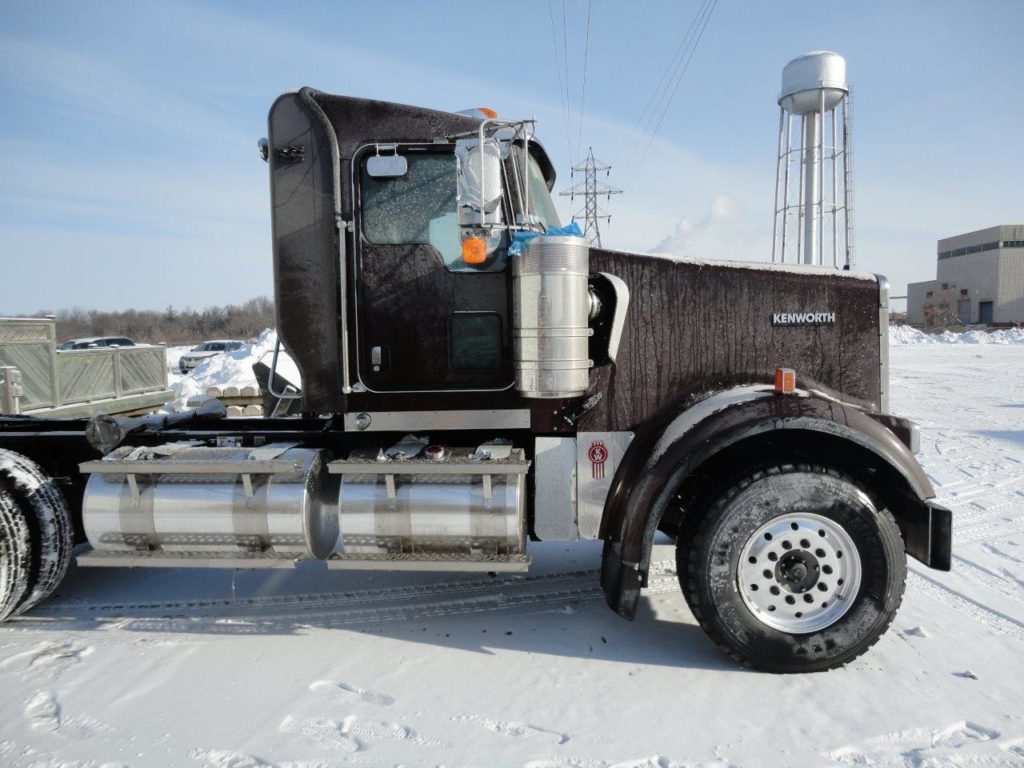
589, 189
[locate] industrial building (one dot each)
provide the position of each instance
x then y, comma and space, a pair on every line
979, 280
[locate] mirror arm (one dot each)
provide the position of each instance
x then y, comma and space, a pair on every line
483, 173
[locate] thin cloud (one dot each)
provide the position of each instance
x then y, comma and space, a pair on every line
77, 86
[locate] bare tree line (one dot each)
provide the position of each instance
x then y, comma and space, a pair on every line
173, 326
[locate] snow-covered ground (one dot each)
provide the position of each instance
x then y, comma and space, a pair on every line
311, 668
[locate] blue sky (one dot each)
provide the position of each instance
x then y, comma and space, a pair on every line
130, 176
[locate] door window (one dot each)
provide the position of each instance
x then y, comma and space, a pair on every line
418, 208
475, 343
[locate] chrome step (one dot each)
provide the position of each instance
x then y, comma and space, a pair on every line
357, 562
158, 559
430, 561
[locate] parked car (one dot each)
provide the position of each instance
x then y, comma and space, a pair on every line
96, 342
205, 351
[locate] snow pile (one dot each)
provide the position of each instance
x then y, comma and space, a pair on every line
232, 369
1001, 336
904, 335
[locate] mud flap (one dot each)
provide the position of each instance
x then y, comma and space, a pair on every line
620, 581
927, 530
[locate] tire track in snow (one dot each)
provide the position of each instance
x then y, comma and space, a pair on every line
996, 529
990, 580
385, 605
994, 620
342, 599
976, 512
586, 591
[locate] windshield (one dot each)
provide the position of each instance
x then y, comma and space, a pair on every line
542, 207
541, 204
210, 346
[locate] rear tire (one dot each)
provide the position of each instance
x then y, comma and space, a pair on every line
15, 555
794, 569
44, 511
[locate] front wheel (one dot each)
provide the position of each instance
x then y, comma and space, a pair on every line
794, 569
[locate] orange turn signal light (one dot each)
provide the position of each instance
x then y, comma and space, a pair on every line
785, 380
474, 250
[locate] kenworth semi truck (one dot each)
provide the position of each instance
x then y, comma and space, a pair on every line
474, 377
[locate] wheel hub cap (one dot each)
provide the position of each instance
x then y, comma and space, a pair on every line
799, 573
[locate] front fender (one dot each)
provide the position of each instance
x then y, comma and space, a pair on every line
654, 468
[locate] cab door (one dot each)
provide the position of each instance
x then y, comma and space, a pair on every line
426, 321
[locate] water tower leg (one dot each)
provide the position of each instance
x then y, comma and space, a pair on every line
778, 181
811, 191
785, 186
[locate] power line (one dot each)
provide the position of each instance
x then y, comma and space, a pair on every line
663, 94
666, 77
583, 90
565, 62
666, 103
563, 88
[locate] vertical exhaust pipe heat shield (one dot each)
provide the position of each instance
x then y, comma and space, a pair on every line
551, 303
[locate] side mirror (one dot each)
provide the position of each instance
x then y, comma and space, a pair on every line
387, 166
479, 182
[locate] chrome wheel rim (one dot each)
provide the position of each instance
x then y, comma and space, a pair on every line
799, 573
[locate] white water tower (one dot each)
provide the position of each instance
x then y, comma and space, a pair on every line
813, 194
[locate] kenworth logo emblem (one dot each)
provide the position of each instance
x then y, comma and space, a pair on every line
804, 318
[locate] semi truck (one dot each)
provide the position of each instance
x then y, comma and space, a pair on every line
475, 377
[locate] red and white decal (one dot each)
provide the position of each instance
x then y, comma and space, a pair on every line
598, 455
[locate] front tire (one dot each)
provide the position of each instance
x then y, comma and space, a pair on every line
794, 569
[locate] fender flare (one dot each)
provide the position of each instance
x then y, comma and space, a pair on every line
656, 465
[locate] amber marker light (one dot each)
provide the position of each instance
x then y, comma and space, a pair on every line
474, 250
785, 380
489, 112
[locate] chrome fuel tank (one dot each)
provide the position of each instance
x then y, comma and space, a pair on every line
458, 504
188, 499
